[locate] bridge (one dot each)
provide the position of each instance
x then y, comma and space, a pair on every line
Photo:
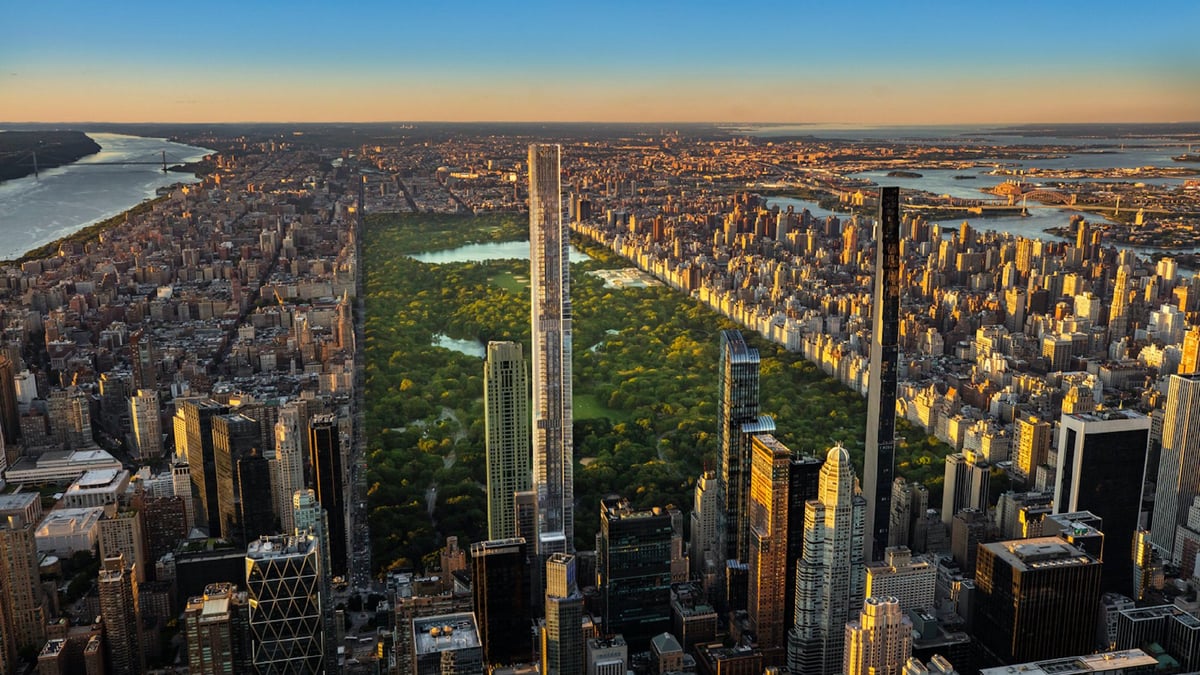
161, 161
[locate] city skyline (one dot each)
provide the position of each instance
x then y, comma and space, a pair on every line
672, 62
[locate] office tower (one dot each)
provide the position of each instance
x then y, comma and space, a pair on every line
804, 479
1033, 444
968, 530
831, 576
287, 475
330, 485
737, 380
500, 582
967, 482
147, 427
283, 581
1179, 460
910, 501
633, 566
198, 422
164, 524
1171, 628
120, 535
879, 641
10, 418
1036, 599
122, 618
562, 634
24, 606
607, 656
256, 513
145, 360
550, 288
770, 470
1099, 454
181, 482
703, 554
217, 627
447, 644
233, 437
912, 581
881, 388
506, 434
1190, 362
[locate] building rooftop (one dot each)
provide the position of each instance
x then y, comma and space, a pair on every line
1092, 663
1040, 552
445, 633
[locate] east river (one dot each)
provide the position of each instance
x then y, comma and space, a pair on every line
63, 200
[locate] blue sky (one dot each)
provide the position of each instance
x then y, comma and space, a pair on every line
784, 61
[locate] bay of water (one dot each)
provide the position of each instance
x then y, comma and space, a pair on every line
66, 199
504, 250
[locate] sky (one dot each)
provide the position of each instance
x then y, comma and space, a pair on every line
960, 62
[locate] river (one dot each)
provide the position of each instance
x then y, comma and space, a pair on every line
63, 200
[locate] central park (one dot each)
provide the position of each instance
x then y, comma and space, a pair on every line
645, 390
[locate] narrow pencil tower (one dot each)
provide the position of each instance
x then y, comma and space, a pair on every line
879, 465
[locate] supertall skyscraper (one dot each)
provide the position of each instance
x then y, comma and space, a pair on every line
879, 466
506, 423
831, 576
550, 286
1179, 461
737, 380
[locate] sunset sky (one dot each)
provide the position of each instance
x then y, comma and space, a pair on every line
858, 63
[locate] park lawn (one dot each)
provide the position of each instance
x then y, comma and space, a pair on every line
588, 407
513, 283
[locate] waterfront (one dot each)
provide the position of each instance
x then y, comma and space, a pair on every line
38, 210
504, 250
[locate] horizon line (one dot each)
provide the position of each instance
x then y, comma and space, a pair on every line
626, 122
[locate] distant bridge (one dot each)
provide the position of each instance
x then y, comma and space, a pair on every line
161, 161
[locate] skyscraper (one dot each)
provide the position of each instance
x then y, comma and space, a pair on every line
287, 475
256, 512
10, 419
1036, 599
330, 485
879, 466
233, 436
737, 381
770, 470
506, 423
283, 580
967, 482
197, 423
633, 570
24, 606
147, 428
562, 635
1033, 444
120, 534
550, 288
704, 518
879, 641
1179, 461
831, 576
145, 360
500, 582
1099, 456
122, 618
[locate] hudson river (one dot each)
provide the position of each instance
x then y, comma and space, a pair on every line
37, 211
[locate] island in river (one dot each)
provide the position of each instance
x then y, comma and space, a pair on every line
53, 148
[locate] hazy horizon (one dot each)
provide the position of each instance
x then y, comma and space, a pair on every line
670, 62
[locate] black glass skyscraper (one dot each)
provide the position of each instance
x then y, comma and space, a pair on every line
881, 385
500, 578
330, 485
633, 561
